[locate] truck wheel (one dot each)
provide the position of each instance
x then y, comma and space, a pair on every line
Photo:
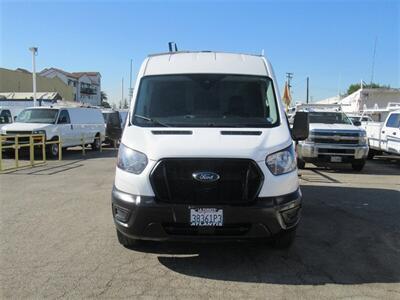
96, 143
125, 241
284, 239
358, 164
301, 164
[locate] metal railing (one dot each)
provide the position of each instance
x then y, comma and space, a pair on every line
35, 140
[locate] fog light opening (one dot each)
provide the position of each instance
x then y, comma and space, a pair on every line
121, 214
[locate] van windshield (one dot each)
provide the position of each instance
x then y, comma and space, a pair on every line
328, 118
41, 115
206, 100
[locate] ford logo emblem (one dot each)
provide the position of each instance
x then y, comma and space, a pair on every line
205, 176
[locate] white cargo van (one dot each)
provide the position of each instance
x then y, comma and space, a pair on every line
207, 152
69, 125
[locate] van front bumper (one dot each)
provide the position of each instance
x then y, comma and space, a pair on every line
143, 217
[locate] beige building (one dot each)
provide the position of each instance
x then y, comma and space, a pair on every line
20, 80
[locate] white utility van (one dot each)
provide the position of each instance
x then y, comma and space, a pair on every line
207, 152
68, 124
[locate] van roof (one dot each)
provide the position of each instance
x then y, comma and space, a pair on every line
205, 62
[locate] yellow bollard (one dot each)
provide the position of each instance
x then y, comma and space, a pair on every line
43, 147
83, 146
1, 153
16, 149
31, 151
59, 149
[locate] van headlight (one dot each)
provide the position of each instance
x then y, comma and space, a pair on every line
282, 162
131, 160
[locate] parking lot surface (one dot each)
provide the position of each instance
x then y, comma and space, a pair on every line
58, 240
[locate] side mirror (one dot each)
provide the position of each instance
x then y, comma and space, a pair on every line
357, 123
301, 126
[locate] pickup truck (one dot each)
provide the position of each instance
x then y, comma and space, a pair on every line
333, 138
384, 136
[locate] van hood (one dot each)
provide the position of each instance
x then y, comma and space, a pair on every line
25, 126
333, 127
159, 143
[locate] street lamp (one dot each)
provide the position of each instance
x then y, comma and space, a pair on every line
34, 53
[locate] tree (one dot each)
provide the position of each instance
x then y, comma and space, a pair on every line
356, 86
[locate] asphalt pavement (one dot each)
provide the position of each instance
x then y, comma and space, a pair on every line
58, 240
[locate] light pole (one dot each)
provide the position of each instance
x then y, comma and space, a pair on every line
34, 53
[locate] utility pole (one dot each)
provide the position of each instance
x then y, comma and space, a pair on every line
122, 96
308, 88
289, 77
130, 85
34, 53
373, 61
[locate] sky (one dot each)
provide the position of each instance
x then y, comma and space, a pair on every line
331, 42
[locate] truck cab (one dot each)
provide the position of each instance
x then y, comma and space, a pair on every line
333, 138
5, 117
207, 153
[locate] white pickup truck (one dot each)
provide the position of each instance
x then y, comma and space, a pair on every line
333, 138
384, 136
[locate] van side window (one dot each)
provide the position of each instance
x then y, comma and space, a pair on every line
393, 121
63, 118
5, 117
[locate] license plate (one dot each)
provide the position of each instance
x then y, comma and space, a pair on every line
206, 217
336, 159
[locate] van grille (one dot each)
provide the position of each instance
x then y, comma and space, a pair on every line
239, 183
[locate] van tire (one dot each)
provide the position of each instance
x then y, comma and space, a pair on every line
96, 143
301, 164
125, 241
53, 149
284, 239
358, 164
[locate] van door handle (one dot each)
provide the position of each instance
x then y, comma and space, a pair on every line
72, 126
394, 133
383, 131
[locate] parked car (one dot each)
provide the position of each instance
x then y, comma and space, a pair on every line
5, 117
70, 125
113, 126
384, 136
333, 138
207, 152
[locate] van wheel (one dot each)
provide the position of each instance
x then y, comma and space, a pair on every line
124, 240
358, 164
96, 143
301, 164
284, 239
53, 149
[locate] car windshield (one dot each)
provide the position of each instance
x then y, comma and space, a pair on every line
206, 100
328, 118
38, 115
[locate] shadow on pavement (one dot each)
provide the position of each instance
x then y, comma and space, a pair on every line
347, 236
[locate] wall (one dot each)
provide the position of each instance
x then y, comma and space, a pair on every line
15, 81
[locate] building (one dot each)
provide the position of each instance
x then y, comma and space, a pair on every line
16, 102
86, 85
365, 98
20, 81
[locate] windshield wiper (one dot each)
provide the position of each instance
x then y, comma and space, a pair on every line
154, 121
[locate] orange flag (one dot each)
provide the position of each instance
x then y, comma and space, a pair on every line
287, 98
